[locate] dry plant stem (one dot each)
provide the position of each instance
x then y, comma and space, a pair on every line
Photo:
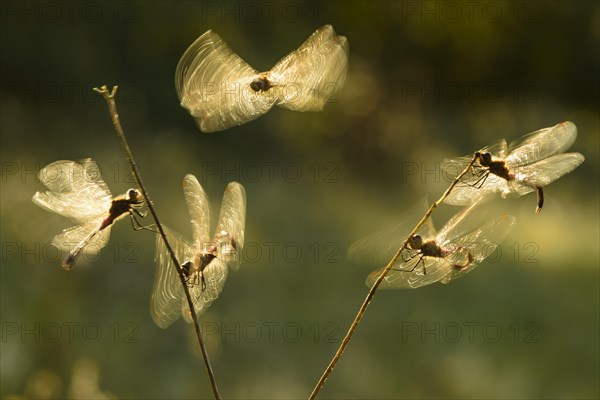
112, 107
365, 304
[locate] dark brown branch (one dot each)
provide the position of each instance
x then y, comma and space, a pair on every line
112, 108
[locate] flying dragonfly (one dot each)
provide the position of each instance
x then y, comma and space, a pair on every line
220, 90
462, 244
205, 262
531, 163
77, 191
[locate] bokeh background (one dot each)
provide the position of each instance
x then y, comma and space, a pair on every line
427, 81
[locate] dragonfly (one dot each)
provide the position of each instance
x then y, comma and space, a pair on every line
78, 192
205, 261
431, 256
527, 165
220, 90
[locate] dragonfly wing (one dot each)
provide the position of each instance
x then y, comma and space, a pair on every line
498, 149
475, 185
76, 190
310, 75
460, 224
213, 84
477, 245
215, 275
167, 292
548, 170
232, 220
429, 270
199, 210
475, 188
379, 247
71, 237
541, 144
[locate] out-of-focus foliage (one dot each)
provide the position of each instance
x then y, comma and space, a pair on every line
427, 81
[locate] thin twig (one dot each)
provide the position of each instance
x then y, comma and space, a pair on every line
373, 289
112, 107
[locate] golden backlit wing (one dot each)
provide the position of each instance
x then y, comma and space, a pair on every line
314, 73
213, 84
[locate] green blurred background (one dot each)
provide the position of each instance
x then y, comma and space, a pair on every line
427, 81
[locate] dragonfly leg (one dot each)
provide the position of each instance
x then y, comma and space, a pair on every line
421, 261
411, 256
482, 176
203, 281
137, 226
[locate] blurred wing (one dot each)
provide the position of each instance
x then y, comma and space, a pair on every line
401, 276
379, 248
232, 219
541, 144
548, 170
498, 149
308, 77
71, 237
480, 243
213, 84
471, 188
199, 210
76, 191
460, 224
167, 292
215, 275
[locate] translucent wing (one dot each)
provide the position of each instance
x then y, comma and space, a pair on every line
76, 191
541, 144
548, 170
460, 224
199, 210
215, 275
232, 219
473, 185
470, 191
213, 84
378, 248
401, 276
71, 237
167, 292
307, 77
480, 243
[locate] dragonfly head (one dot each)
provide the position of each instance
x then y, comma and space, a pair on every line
415, 242
186, 267
134, 196
483, 158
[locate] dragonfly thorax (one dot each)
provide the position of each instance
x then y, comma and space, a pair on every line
261, 84
496, 167
432, 249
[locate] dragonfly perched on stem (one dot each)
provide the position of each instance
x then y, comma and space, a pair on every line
77, 191
205, 262
531, 163
220, 90
462, 244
